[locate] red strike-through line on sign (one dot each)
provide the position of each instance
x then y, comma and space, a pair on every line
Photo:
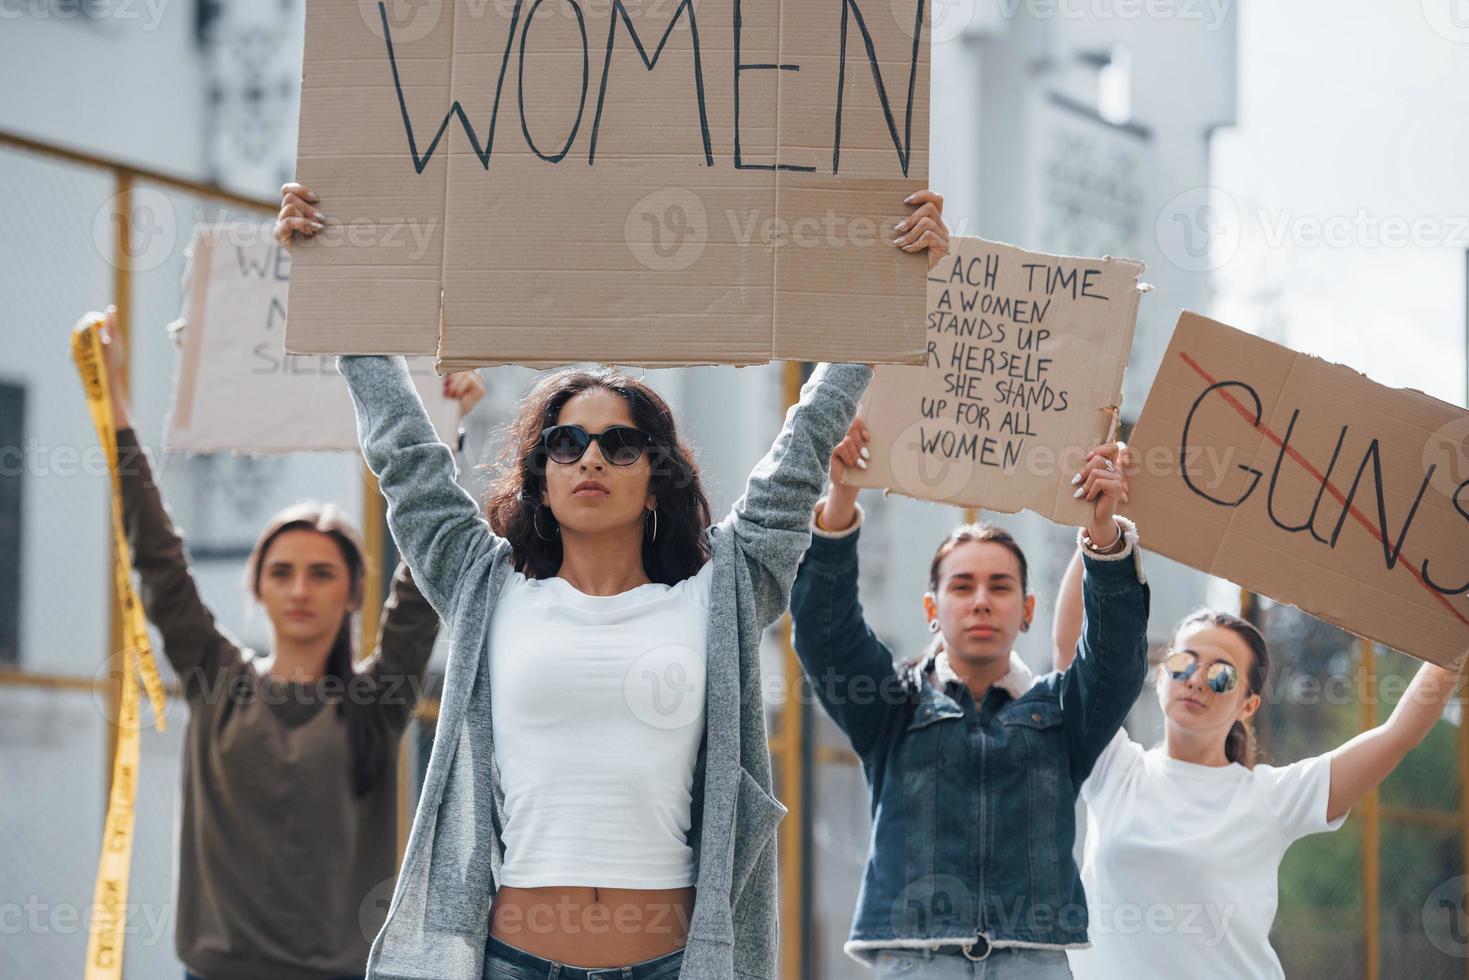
1341, 498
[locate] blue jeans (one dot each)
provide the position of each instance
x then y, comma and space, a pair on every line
1006, 963
195, 976
504, 962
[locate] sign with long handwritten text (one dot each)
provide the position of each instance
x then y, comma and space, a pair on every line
1024, 360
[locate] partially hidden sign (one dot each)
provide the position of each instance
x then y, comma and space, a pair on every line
548, 181
1024, 360
1308, 482
237, 390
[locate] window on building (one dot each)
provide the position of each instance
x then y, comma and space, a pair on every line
1114, 87
12, 475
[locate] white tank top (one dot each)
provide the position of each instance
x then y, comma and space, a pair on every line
598, 708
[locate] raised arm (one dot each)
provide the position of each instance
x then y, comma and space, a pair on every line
409, 624
1102, 683
771, 522
1360, 766
438, 527
1111, 662
192, 642
1066, 626
850, 669
405, 642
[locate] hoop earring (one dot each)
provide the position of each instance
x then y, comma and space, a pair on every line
1025, 626
655, 524
933, 625
535, 521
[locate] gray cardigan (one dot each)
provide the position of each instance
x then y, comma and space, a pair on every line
438, 922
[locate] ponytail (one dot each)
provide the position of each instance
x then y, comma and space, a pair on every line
1239, 744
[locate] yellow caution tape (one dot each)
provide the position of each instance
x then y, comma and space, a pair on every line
110, 896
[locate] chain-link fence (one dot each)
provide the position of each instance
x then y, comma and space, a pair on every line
1383, 896
60, 257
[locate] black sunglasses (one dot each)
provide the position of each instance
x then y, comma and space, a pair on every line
1220, 676
621, 445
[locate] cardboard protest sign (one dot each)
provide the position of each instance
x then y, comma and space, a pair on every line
697, 182
1025, 354
1309, 483
237, 390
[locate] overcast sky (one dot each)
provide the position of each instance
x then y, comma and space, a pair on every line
1349, 175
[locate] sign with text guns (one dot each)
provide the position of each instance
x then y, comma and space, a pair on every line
237, 390
1308, 482
681, 182
1025, 354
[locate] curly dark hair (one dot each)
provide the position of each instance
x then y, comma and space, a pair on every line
512, 502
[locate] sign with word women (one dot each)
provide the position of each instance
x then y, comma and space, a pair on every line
1308, 482
1024, 360
547, 181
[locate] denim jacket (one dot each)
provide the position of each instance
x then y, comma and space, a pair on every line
973, 805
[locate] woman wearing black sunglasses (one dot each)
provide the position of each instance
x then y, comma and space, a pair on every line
599, 789
1184, 842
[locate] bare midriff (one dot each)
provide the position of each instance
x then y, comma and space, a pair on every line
593, 927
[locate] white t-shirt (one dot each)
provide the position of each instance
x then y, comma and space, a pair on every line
1182, 862
598, 712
